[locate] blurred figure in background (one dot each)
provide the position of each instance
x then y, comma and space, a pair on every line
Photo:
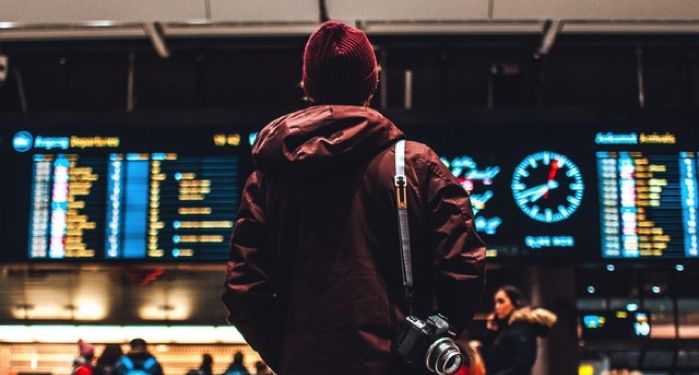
207, 364
138, 360
510, 347
262, 369
206, 367
237, 367
107, 362
82, 365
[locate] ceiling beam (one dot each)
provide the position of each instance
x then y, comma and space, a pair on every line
155, 33
551, 29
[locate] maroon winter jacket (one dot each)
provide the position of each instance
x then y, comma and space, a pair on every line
314, 278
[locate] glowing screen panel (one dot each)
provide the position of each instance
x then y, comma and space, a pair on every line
112, 197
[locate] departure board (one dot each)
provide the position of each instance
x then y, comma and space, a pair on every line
648, 204
112, 198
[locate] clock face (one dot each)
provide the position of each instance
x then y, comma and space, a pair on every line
547, 186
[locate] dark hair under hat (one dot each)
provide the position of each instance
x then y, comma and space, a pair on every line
339, 65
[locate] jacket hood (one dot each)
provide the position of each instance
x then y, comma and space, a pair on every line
541, 319
322, 137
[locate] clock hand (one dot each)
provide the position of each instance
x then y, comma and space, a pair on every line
539, 194
552, 174
534, 191
544, 193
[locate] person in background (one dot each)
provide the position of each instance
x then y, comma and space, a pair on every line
82, 365
237, 367
107, 362
206, 367
314, 279
138, 360
207, 364
262, 369
510, 347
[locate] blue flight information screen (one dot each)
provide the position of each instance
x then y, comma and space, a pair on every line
568, 193
648, 204
102, 198
580, 193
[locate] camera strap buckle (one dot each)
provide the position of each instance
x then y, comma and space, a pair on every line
401, 192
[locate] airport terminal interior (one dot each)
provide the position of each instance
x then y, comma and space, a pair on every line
126, 130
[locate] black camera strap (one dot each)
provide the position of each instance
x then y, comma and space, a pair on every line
401, 184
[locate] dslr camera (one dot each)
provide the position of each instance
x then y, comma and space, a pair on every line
430, 342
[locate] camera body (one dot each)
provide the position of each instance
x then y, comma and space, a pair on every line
430, 342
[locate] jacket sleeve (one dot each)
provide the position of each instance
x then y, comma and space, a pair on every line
459, 253
523, 355
248, 292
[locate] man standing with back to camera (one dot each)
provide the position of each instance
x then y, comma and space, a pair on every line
314, 279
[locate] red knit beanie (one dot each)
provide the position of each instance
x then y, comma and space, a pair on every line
85, 348
339, 65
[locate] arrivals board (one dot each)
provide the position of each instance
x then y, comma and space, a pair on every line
580, 192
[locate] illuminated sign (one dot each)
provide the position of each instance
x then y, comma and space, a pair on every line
594, 321
50, 143
610, 138
94, 142
641, 325
541, 242
487, 226
616, 325
221, 140
479, 184
648, 205
665, 139
22, 141
134, 206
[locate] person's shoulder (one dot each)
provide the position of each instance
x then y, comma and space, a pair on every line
521, 328
414, 147
424, 157
270, 126
420, 152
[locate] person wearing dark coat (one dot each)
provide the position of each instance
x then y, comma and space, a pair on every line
314, 279
237, 367
107, 362
510, 348
206, 367
138, 358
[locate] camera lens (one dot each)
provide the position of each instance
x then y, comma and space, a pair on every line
443, 357
451, 364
